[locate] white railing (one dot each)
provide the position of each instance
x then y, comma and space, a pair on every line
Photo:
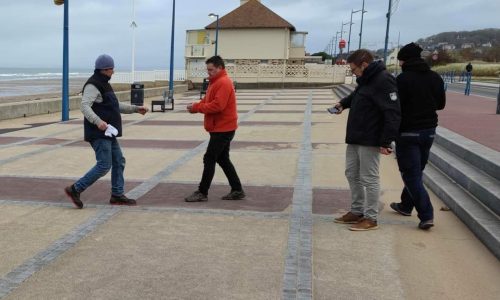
276, 73
143, 76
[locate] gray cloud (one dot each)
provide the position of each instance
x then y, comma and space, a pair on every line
31, 30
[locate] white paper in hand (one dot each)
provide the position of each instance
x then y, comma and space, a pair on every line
111, 131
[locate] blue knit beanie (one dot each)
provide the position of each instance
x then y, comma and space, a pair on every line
104, 61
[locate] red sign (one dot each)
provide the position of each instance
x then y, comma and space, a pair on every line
342, 44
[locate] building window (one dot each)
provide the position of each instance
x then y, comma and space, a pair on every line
298, 39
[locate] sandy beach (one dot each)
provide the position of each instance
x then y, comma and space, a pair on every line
35, 89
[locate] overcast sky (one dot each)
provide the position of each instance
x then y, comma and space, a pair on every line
31, 30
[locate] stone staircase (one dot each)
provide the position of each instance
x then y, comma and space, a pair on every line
465, 175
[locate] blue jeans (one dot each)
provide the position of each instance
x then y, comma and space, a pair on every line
109, 157
412, 152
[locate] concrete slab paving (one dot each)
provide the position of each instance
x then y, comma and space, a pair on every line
254, 168
464, 266
26, 230
162, 132
273, 117
76, 161
351, 265
265, 134
329, 171
298, 107
41, 131
168, 256
329, 149
13, 151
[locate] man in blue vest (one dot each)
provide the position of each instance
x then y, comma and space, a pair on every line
102, 126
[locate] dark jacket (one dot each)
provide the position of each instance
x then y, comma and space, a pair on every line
374, 114
108, 110
421, 92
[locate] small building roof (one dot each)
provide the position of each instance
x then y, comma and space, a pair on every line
252, 14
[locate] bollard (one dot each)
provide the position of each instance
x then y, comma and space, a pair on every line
498, 101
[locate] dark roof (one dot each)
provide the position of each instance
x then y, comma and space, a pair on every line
252, 14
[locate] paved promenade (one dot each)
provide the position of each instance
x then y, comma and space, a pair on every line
278, 243
473, 117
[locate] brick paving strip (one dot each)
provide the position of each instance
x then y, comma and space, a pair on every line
17, 276
297, 280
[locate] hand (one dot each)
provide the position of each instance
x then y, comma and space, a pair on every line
385, 150
142, 110
190, 108
339, 107
102, 126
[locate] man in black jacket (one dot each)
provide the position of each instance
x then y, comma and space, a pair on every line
372, 126
422, 93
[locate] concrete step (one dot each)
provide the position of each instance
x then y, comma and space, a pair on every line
483, 222
481, 157
346, 89
482, 186
343, 90
338, 93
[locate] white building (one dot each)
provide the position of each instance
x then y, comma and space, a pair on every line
467, 45
252, 33
255, 42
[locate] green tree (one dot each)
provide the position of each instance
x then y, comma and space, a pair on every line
443, 58
492, 55
467, 54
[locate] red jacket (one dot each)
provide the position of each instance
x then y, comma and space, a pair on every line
219, 105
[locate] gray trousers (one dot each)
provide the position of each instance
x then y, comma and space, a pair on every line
362, 172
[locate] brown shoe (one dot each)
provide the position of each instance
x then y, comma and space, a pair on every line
364, 225
348, 218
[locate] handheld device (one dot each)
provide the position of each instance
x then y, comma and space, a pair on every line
333, 110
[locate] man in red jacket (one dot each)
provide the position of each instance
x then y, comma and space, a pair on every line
221, 121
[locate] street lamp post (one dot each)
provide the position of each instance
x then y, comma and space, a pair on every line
363, 11
65, 71
350, 27
212, 15
387, 31
171, 75
134, 26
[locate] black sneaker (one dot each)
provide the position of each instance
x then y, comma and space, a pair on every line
74, 196
196, 197
122, 200
234, 195
426, 225
396, 207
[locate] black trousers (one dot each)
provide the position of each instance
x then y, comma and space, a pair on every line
218, 153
